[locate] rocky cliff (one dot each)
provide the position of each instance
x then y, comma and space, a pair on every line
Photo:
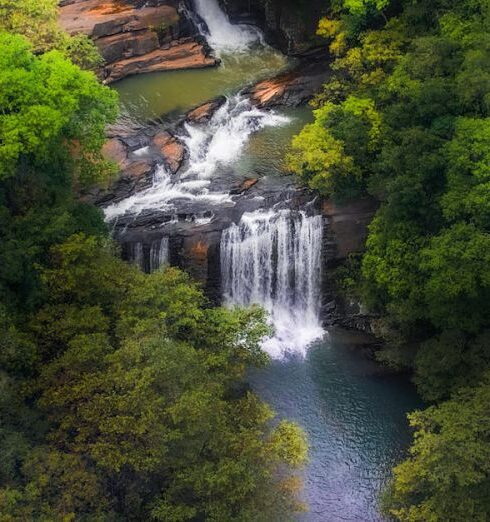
288, 24
137, 37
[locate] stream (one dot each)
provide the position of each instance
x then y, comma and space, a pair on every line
270, 253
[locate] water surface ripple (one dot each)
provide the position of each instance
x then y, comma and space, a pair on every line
355, 419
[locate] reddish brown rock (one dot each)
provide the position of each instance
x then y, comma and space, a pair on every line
99, 18
190, 55
172, 150
292, 88
112, 48
135, 177
268, 92
136, 40
204, 113
115, 150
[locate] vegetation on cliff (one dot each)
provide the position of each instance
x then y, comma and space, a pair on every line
122, 393
406, 119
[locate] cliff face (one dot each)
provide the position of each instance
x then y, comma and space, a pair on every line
289, 24
137, 37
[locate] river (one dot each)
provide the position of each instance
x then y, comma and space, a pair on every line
353, 412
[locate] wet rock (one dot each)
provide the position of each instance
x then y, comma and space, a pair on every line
244, 186
292, 88
135, 177
346, 234
205, 112
172, 150
348, 224
291, 26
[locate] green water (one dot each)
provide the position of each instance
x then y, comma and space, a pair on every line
153, 95
264, 154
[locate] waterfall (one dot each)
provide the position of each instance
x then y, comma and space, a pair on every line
149, 257
159, 254
222, 140
224, 36
273, 258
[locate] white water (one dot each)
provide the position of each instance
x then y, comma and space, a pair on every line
224, 36
218, 143
223, 139
273, 258
157, 254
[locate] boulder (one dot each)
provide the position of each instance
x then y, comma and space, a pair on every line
205, 112
172, 150
244, 186
115, 150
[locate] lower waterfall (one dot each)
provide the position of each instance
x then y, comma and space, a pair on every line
273, 258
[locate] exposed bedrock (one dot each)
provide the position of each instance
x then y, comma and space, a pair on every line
295, 87
346, 233
137, 37
287, 24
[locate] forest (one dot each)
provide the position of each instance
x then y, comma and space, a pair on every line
124, 394
405, 119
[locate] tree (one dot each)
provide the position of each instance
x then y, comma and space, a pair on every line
50, 110
447, 476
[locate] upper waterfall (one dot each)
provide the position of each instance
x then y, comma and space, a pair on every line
223, 35
273, 258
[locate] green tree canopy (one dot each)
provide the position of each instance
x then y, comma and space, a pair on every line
50, 111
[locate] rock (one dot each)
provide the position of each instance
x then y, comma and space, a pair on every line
99, 18
292, 88
190, 55
205, 112
286, 24
115, 150
134, 44
348, 225
137, 37
244, 186
135, 177
172, 150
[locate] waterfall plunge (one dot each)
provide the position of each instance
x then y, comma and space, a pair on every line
273, 258
224, 36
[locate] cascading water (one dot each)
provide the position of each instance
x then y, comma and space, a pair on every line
214, 145
151, 257
273, 258
224, 36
